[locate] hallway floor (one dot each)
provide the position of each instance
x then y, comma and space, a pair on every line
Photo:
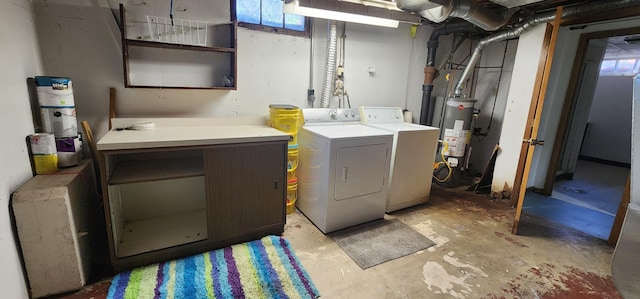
588, 202
595, 186
475, 256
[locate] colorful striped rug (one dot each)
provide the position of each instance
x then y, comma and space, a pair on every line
265, 268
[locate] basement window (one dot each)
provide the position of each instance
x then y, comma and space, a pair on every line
620, 67
266, 15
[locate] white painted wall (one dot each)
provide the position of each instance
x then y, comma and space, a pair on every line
608, 136
519, 100
578, 123
82, 42
79, 39
491, 96
387, 50
564, 56
19, 60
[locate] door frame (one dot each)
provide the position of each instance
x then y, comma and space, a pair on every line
571, 100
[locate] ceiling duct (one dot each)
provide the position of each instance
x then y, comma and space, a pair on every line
584, 10
514, 3
440, 10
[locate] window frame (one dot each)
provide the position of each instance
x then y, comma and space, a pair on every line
616, 72
265, 28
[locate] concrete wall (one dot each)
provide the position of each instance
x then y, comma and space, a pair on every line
80, 39
563, 59
20, 59
492, 94
517, 109
608, 135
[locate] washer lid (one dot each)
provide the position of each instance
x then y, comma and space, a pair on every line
396, 127
346, 131
370, 115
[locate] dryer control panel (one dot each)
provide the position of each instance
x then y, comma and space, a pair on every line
327, 115
381, 115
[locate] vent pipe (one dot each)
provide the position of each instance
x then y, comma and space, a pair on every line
330, 64
440, 10
486, 19
575, 11
430, 72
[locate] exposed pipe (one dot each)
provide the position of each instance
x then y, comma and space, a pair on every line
575, 11
440, 10
426, 111
330, 65
311, 98
487, 19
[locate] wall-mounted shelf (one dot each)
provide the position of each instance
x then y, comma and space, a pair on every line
144, 43
172, 58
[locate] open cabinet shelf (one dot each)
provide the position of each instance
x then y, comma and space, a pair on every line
146, 235
163, 203
156, 169
175, 59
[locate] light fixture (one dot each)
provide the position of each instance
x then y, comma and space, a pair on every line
371, 12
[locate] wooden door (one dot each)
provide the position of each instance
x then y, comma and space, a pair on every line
622, 211
535, 111
246, 188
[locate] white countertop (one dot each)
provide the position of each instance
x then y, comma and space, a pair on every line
172, 132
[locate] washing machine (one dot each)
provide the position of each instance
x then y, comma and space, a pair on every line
343, 169
412, 156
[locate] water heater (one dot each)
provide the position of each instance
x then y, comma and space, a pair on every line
455, 135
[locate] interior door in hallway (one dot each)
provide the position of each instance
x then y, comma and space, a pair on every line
529, 140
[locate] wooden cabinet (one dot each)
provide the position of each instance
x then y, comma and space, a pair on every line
182, 54
249, 188
168, 202
157, 199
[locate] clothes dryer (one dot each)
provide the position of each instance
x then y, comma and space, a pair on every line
343, 169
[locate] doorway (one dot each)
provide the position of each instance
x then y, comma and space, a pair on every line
587, 177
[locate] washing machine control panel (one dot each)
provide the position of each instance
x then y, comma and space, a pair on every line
381, 114
324, 115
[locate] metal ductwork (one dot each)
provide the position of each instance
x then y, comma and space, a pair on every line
330, 64
575, 11
440, 10
486, 19
430, 72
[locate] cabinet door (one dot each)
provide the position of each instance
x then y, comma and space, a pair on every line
246, 189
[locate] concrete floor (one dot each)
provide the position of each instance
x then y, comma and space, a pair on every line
594, 185
475, 256
589, 202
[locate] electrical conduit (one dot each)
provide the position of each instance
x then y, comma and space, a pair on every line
330, 65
